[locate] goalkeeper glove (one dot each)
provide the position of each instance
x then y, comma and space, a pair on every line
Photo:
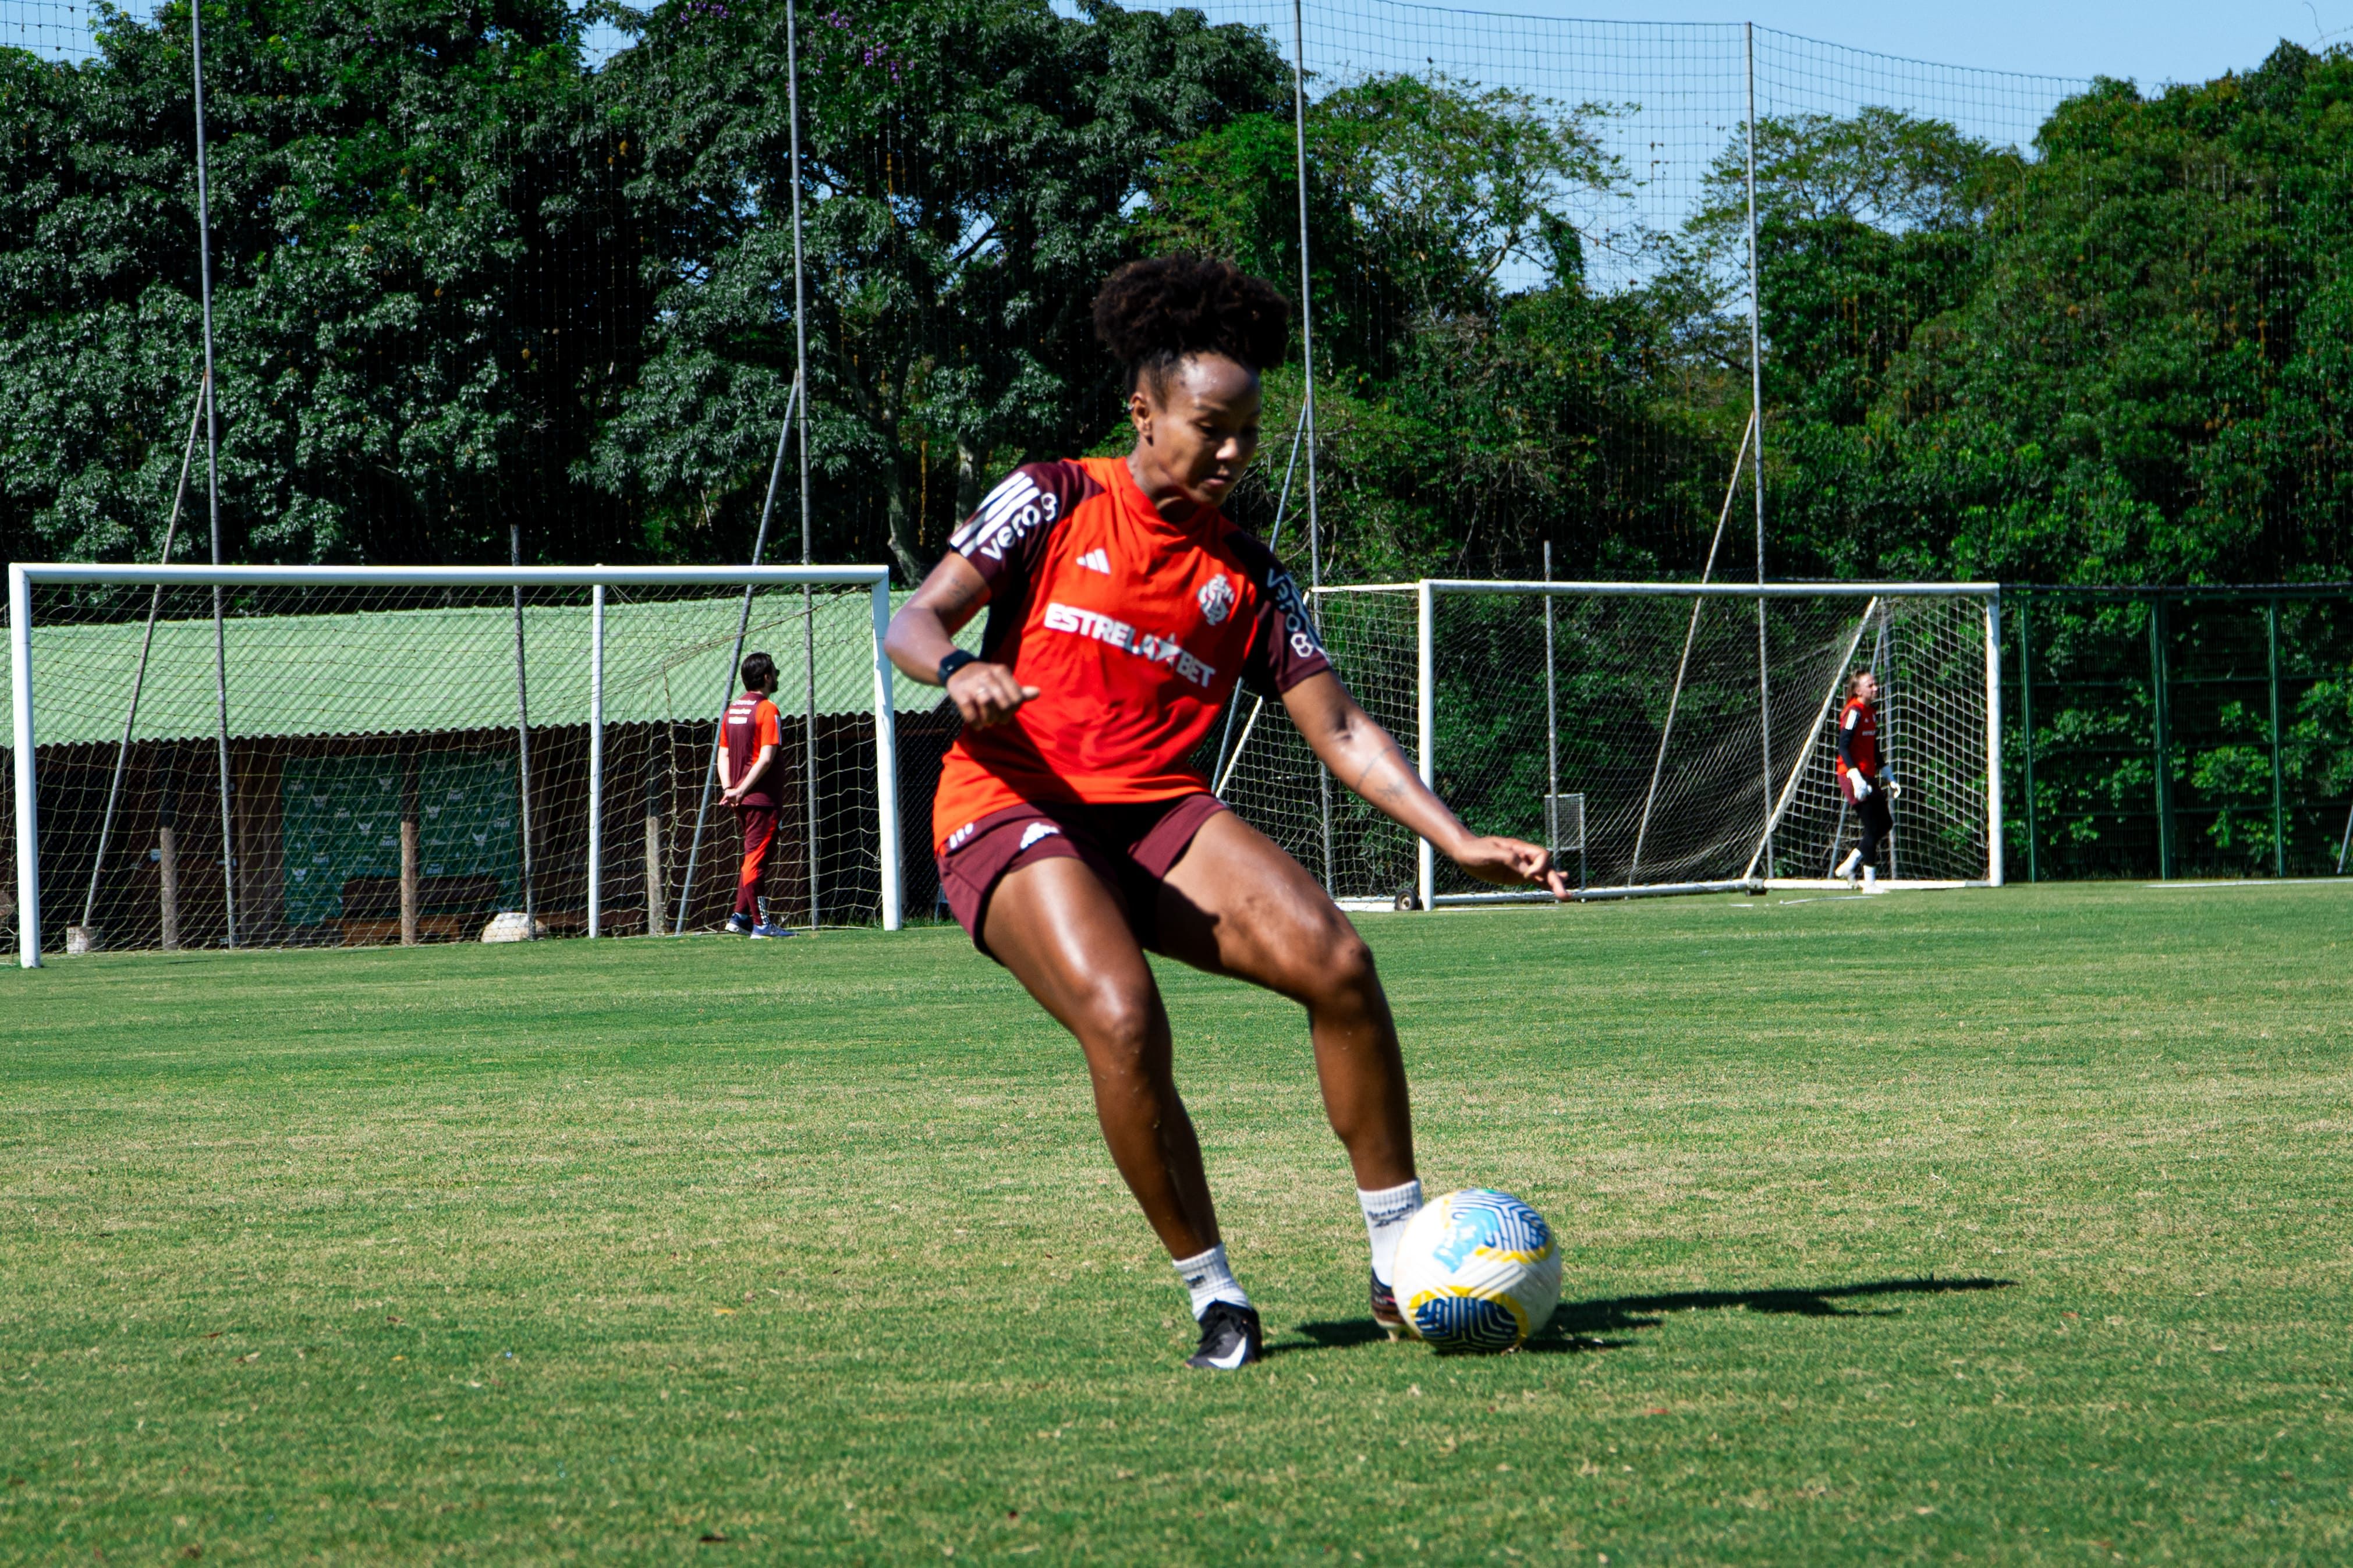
1861, 787
1894, 790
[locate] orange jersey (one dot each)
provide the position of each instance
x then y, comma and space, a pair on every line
1133, 629
750, 724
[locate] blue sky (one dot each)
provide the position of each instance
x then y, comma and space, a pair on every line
2148, 41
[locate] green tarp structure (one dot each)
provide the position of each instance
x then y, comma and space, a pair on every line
422, 671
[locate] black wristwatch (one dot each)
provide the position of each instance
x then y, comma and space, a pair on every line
955, 661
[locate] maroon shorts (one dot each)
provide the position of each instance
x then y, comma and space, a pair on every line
1131, 847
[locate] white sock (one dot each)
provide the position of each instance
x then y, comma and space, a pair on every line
1386, 1214
1210, 1279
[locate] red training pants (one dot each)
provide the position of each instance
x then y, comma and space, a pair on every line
759, 824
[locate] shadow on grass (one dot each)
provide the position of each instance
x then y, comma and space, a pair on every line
1584, 1325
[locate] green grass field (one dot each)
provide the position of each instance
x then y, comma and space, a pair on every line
1958, 1227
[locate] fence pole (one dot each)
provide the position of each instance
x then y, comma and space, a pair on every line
2279, 807
1307, 371
1994, 859
1756, 413
596, 756
2159, 726
2026, 721
28, 833
800, 379
212, 466
1552, 730
1425, 724
886, 764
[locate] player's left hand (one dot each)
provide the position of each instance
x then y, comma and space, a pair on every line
1894, 790
1511, 863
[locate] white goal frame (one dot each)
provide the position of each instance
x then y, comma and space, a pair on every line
1780, 788
1428, 588
22, 677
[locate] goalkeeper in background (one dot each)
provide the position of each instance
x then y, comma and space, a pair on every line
1861, 780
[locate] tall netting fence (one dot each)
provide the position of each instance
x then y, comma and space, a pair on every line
358, 763
1626, 728
2187, 733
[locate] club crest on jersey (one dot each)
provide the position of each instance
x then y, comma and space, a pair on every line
1216, 598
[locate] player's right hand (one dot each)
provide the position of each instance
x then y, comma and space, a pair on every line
987, 694
1862, 786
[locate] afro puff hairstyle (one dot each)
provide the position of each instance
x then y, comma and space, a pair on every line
1154, 314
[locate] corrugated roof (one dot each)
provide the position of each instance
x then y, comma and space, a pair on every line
425, 670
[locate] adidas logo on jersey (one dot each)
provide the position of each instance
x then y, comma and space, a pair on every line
1097, 560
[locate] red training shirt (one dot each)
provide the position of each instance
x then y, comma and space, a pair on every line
1133, 628
1858, 739
750, 724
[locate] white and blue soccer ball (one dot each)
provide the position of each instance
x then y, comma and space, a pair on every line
1477, 1271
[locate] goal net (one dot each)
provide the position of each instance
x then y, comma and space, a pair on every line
297, 756
1660, 737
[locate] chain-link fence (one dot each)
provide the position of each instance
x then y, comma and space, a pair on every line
2186, 733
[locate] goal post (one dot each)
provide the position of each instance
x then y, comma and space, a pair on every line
1644, 700
376, 777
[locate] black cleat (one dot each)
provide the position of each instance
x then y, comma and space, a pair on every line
1230, 1339
1384, 1310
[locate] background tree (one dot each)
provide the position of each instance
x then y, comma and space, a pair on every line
969, 168
405, 353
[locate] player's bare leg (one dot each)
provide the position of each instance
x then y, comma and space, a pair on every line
1235, 904
1064, 936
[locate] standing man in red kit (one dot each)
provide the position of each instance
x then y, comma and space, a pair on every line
750, 736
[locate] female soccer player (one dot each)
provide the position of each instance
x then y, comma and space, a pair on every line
1860, 778
1122, 608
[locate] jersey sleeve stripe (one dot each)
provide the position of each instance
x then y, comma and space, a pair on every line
1016, 491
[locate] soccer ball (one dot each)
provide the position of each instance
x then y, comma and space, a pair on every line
1477, 1271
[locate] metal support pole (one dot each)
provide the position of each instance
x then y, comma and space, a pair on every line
1307, 368
743, 624
2279, 793
800, 380
523, 736
1994, 857
1552, 726
1274, 538
595, 758
2026, 724
139, 675
212, 468
29, 830
886, 764
1683, 666
2161, 726
1426, 722
1756, 413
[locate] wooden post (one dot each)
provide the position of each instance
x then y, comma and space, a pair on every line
656, 782
167, 859
409, 848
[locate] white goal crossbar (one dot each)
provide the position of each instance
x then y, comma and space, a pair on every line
25, 676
